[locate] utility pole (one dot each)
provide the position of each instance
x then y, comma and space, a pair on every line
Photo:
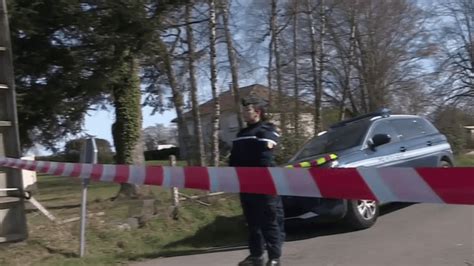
12, 212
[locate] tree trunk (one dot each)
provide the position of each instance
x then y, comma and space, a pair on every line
198, 136
270, 62
234, 68
346, 90
215, 92
178, 100
347, 83
126, 130
314, 68
296, 116
278, 69
322, 36
363, 71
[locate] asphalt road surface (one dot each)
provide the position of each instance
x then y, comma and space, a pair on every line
420, 234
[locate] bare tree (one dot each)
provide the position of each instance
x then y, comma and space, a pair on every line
215, 91
390, 44
198, 136
276, 51
178, 99
378, 56
347, 92
234, 68
456, 68
341, 73
314, 66
322, 36
296, 91
270, 52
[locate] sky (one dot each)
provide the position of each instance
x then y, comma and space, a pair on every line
99, 123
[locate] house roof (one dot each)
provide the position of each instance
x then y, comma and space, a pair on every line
226, 100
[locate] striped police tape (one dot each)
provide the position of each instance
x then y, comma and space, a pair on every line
390, 184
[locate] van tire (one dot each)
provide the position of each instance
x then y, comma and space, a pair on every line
444, 164
357, 217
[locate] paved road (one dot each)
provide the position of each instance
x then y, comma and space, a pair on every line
421, 234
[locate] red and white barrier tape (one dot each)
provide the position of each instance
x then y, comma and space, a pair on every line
391, 184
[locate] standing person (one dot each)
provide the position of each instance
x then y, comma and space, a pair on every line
254, 147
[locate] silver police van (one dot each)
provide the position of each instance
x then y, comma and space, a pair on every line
374, 140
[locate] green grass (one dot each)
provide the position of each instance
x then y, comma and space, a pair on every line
199, 228
465, 160
165, 163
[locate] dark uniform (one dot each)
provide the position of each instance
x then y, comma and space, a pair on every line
264, 213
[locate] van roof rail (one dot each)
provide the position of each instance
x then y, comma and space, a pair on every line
383, 112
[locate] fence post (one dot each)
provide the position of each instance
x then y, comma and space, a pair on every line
88, 155
174, 192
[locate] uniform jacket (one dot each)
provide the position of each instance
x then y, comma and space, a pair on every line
250, 147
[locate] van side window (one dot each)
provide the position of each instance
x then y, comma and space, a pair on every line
384, 127
409, 128
429, 128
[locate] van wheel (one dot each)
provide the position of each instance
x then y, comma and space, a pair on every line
361, 214
444, 164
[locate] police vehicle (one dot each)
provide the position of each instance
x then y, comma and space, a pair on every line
377, 140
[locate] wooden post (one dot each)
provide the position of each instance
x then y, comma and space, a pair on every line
174, 192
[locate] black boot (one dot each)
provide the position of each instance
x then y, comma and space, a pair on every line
274, 262
252, 261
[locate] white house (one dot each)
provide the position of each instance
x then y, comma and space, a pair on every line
229, 125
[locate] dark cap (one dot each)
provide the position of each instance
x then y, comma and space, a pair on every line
254, 100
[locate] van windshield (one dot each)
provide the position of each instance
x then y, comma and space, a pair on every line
335, 139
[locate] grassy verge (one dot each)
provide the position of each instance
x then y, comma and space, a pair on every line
167, 163
108, 242
465, 160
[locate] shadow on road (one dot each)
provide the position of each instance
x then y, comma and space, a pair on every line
297, 231
393, 207
229, 234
